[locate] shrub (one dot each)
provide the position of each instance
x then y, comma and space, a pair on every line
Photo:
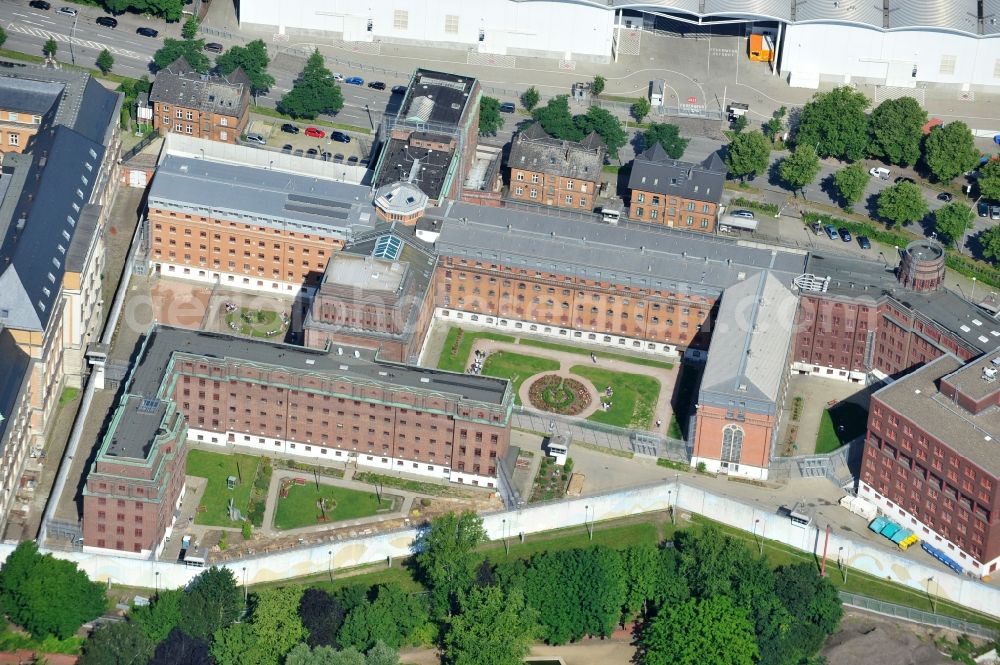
760, 206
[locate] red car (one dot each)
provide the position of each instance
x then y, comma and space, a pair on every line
315, 133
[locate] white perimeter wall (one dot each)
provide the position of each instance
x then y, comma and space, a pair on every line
542, 25
912, 571
889, 57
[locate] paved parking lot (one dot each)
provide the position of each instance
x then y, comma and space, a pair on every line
301, 145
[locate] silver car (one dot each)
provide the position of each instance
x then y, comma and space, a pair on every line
256, 138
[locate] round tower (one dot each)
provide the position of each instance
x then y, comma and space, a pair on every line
922, 266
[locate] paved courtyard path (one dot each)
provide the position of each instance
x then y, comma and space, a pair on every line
567, 359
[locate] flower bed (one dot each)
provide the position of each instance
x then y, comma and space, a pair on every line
557, 394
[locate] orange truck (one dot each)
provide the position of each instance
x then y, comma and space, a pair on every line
761, 47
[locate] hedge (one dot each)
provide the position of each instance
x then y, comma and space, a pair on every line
769, 208
963, 265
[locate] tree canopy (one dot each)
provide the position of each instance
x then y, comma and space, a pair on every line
700, 632
212, 601
851, 182
190, 28
391, 618
598, 84
989, 180
322, 616
179, 647
490, 120
530, 98
273, 630
902, 204
607, 126
444, 557
668, 136
897, 130
117, 643
799, 168
950, 150
952, 220
189, 49
835, 124
491, 628
748, 154
640, 109
105, 61
48, 596
557, 121
253, 58
989, 240
167, 9
314, 91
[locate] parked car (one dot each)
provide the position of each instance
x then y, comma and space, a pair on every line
995, 211
399, 89
845, 235
147, 32
864, 242
336, 76
213, 47
353, 159
67, 11
831, 232
256, 138
507, 107
817, 228
879, 172
377, 85
983, 208
903, 178
742, 214
106, 21
40, 4
338, 157
287, 148
354, 80
315, 133
944, 196
312, 152
340, 137
289, 128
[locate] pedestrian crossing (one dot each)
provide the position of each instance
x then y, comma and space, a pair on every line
66, 39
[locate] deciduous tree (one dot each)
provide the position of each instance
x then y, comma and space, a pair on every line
445, 553
556, 119
835, 124
748, 154
952, 220
897, 129
273, 630
213, 601
50, 47
189, 49
3, 37
190, 28
253, 59
640, 109
391, 618
490, 120
989, 240
491, 628
700, 632
119, 643
989, 180
799, 168
851, 182
902, 204
381, 654
322, 616
159, 618
607, 126
179, 647
530, 98
314, 92
105, 61
597, 85
668, 136
950, 150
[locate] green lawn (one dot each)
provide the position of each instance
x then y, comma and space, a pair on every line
635, 360
517, 368
68, 395
299, 508
684, 394
847, 415
254, 322
217, 467
458, 346
634, 399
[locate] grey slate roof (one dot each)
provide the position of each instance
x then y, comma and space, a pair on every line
42, 218
180, 85
261, 196
655, 171
27, 96
638, 254
753, 330
858, 278
534, 150
14, 374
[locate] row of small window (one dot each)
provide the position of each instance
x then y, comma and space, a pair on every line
232, 239
119, 545
13, 116
570, 185
641, 198
282, 230
120, 530
567, 200
654, 214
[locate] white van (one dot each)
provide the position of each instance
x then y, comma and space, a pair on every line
879, 172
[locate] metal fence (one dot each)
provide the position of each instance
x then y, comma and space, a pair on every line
916, 616
836, 466
139, 147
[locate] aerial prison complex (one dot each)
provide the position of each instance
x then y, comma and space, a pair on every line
375, 265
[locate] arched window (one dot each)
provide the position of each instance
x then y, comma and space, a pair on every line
732, 443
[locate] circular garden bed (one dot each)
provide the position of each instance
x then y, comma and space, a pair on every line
560, 395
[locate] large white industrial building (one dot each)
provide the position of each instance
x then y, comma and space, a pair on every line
888, 42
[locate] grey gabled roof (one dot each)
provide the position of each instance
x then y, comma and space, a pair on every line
534, 150
179, 84
28, 96
655, 171
97, 116
42, 222
750, 342
14, 377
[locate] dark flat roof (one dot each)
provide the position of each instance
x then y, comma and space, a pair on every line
398, 160
436, 98
916, 397
138, 421
858, 278
163, 342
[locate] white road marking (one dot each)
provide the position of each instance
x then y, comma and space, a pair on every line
84, 43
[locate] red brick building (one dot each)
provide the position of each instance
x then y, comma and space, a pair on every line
666, 191
207, 106
553, 172
931, 457
340, 404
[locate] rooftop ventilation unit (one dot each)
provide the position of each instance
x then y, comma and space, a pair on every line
989, 374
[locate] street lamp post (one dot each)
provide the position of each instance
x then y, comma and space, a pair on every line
931, 595
503, 534
157, 575
244, 586
973, 297
329, 564
72, 55
370, 121
588, 521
